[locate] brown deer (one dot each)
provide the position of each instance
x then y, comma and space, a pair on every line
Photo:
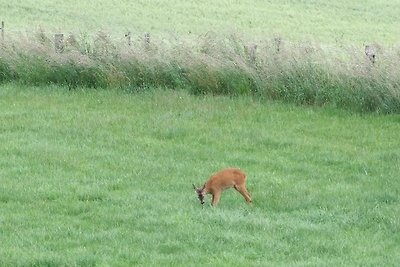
222, 180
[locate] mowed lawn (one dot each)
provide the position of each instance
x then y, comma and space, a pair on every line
105, 178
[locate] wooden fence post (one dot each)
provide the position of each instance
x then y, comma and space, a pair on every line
278, 43
2, 31
251, 51
59, 42
370, 53
147, 40
128, 38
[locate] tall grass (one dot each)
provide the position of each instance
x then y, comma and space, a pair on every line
302, 73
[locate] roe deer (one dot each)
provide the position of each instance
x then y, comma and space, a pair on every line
222, 180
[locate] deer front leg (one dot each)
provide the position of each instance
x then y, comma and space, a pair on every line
215, 198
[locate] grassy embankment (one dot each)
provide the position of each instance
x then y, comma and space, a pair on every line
301, 73
104, 178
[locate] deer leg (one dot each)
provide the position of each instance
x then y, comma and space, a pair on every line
215, 198
243, 191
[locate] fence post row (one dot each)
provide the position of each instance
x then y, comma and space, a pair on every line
59, 41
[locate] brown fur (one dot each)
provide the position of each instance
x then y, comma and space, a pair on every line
227, 178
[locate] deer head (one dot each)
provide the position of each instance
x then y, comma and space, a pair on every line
200, 193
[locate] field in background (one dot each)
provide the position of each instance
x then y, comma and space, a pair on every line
291, 51
104, 178
342, 21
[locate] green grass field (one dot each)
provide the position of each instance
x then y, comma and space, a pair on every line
102, 177
325, 21
100, 144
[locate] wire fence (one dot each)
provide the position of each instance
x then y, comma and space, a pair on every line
59, 40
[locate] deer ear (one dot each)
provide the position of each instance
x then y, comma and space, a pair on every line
194, 187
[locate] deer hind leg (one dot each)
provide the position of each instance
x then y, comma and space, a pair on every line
215, 198
242, 190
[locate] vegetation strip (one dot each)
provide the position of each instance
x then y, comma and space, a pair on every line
300, 73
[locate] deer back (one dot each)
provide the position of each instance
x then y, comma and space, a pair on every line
225, 179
